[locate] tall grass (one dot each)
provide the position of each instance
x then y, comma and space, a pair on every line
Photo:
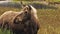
49, 20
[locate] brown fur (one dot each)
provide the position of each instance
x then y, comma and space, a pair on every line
23, 22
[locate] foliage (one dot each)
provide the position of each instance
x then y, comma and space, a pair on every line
38, 0
49, 20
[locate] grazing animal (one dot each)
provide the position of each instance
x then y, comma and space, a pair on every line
23, 22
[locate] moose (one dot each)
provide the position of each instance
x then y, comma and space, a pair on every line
22, 22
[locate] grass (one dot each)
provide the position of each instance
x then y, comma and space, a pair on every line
3, 9
49, 20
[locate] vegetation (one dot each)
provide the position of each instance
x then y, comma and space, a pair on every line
49, 20
38, 0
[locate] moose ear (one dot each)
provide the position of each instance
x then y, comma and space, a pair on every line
22, 4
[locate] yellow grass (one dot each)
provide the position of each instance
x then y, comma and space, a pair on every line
49, 20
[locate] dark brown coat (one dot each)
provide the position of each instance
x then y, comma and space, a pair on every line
23, 22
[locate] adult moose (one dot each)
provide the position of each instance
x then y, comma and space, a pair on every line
23, 22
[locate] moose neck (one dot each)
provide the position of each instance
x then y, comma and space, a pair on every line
34, 12
34, 17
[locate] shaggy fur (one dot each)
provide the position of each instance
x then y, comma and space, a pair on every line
24, 22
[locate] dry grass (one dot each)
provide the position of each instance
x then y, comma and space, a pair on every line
3, 9
49, 20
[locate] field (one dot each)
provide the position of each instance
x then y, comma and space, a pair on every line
49, 20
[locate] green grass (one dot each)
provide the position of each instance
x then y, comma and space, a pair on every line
49, 20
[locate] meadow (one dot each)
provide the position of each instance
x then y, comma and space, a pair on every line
49, 20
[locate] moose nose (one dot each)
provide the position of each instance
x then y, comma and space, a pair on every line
26, 12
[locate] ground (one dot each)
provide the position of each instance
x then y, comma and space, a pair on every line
49, 20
